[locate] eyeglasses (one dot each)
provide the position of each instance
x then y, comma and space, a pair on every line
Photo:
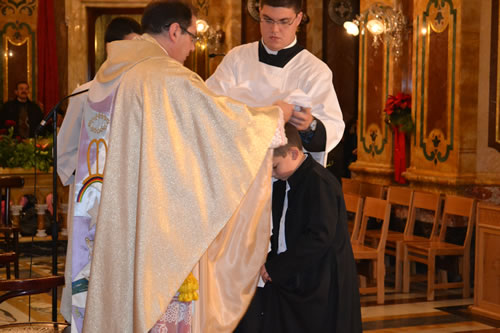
194, 38
282, 22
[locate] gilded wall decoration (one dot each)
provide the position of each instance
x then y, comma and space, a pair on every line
340, 11
253, 9
435, 86
18, 57
11, 7
374, 83
202, 6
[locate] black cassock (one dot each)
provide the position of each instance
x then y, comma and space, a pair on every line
314, 282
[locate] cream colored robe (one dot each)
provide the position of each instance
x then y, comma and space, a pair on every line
186, 178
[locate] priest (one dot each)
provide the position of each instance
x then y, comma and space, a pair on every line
277, 67
170, 178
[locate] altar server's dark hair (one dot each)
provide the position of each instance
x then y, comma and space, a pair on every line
120, 27
294, 4
294, 140
159, 15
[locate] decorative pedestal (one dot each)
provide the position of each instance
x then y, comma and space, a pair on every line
40, 210
15, 210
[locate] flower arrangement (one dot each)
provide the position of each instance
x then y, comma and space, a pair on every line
398, 112
22, 153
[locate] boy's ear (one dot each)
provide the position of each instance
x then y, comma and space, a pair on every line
295, 152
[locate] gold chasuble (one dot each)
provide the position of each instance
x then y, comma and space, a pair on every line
186, 180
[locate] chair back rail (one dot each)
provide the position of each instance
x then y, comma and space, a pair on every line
6, 183
378, 209
428, 201
354, 204
458, 206
32, 286
351, 186
372, 190
12, 243
401, 196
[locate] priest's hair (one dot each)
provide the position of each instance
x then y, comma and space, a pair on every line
294, 140
159, 15
294, 4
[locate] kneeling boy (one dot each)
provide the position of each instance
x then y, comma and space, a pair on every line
310, 272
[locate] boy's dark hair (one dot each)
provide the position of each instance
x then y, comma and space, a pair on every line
294, 140
159, 15
120, 27
296, 5
21, 82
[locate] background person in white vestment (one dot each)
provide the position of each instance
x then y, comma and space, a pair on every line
120, 28
276, 67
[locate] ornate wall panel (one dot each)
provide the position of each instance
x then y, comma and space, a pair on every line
374, 87
435, 90
446, 67
17, 36
376, 81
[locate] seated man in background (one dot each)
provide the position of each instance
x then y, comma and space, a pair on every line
21, 113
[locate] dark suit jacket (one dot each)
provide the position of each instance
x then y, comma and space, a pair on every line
10, 111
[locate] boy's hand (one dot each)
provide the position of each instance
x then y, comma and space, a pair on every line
301, 119
265, 276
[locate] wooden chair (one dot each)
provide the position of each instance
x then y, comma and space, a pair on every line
10, 233
372, 190
351, 186
430, 202
381, 210
23, 287
425, 252
354, 204
403, 197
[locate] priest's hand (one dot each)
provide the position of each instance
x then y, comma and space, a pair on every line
264, 275
302, 119
286, 108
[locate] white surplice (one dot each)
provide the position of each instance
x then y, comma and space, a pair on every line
243, 77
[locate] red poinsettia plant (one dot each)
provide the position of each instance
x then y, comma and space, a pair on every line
398, 112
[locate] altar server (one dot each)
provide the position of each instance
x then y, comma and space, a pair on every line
277, 67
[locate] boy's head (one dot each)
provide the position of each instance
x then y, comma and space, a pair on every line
289, 157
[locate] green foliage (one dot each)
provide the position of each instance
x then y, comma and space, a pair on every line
17, 153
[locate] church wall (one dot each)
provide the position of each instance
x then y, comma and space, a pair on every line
340, 53
449, 80
488, 159
380, 74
